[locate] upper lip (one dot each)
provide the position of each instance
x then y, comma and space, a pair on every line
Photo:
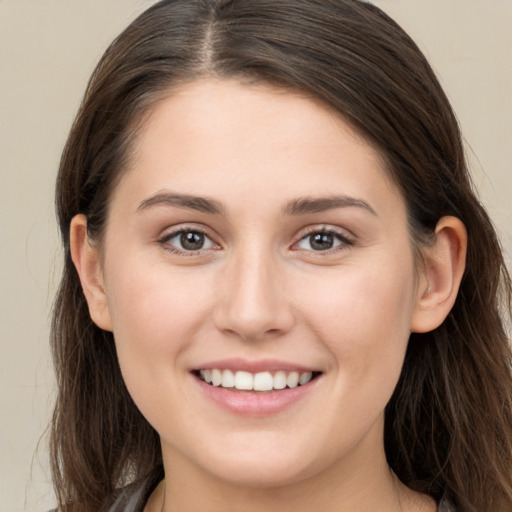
254, 366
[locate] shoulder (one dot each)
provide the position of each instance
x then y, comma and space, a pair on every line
445, 506
128, 499
134, 496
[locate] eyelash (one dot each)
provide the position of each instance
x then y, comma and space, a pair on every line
344, 241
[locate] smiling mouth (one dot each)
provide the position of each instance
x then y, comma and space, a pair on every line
261, 381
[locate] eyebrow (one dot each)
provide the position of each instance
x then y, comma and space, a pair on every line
300, 206
200, 204
307, 205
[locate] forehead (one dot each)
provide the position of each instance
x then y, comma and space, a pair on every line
212, 137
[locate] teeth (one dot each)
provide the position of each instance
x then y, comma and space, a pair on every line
292, 380
244, 380
279, 380
216, 377
304, 378
228, 379
262, 381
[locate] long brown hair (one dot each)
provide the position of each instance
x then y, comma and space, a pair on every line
449, 423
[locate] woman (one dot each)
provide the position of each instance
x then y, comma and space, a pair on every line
280, 291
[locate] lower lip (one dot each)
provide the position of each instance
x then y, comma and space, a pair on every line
257, 403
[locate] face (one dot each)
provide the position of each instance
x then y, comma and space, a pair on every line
256, 241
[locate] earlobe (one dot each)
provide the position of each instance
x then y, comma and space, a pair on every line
444, 264
86, 259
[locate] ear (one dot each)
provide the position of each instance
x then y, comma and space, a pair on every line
88, 265
444, 264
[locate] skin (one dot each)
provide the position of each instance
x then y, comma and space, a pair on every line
259, 290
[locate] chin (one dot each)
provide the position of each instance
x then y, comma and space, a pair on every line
270, 465
261, 473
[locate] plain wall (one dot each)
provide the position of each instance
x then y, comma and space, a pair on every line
47, 50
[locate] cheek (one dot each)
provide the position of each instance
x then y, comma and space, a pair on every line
156, 313
363, 316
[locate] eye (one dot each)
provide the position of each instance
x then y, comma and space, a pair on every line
188, 240
323, 240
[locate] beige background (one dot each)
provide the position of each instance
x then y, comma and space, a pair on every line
47, 50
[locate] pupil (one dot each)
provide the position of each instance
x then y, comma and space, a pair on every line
321, 241
192, 240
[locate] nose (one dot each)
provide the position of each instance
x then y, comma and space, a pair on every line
252, 301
